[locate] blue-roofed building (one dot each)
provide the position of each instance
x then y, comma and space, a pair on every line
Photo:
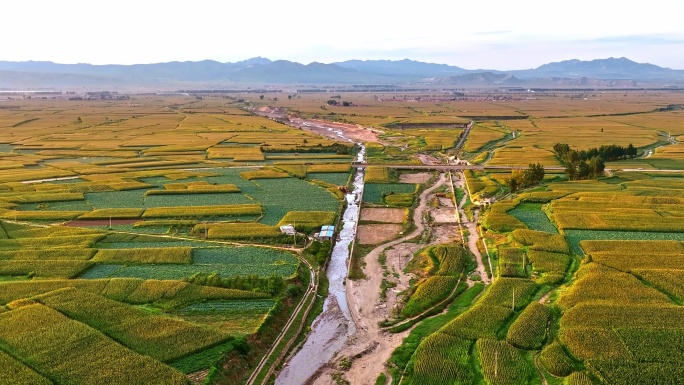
326, 232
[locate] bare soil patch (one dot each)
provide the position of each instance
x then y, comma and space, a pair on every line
420, 177
383, 215
443, 215
357, 133
374, 234
446, 202
429, 159
445, 233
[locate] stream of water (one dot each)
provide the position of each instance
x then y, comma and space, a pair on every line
331, 329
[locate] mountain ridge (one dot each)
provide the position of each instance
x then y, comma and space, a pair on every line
264, 70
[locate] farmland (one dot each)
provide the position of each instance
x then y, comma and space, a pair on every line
147, 233
122, 229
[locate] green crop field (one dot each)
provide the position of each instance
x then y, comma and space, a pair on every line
156, 252
376, 192
533, 217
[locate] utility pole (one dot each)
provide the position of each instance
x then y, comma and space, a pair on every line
496, 363
513, 306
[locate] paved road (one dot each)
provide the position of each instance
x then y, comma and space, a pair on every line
452, 167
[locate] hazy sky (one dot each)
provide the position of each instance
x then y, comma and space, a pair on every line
496, 34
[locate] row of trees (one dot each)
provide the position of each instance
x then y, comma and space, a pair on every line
533, 175
333, 102
588, 164
607, 153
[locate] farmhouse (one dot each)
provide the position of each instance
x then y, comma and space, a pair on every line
326, 233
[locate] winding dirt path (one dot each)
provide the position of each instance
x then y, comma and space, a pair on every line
471, 226
371, 344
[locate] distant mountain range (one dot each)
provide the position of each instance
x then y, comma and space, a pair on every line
611, 72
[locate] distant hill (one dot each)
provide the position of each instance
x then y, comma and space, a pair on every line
402, 68
611, 68
481, 79
609, 72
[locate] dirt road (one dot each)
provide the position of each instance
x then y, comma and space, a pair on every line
473, 235
371, 343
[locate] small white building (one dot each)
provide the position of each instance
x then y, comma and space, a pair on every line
287, 229
326, 233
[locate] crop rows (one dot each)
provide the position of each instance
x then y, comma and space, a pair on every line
502, 363
376, 192
195, 189
43, 268
264, 174
556, 360
179, 272
552, 266
130, 290
429, 293
452, 259
72, 352
512, 262
480, 321
379, 174
250, 306
239, 230
595, 283
161, 337
307, 221
633, 247
532, 216
442, 359
574, 237
579, 378
399, 200
16, 372
510, 293
203, 211
113, 213
498, 219
669, 281
134, 256
634, 372
542, 241
480, 184
61, 253
528, 331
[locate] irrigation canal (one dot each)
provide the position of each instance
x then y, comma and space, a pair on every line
333, 327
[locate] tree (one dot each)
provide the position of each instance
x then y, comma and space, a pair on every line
597, 166
533, 175
571, 170
561, 149
631, 151
512, 184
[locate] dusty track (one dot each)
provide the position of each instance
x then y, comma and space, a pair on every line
371, 343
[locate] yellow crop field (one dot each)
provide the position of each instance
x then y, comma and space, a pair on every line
180, 263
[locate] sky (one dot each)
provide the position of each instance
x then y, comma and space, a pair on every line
494, 34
